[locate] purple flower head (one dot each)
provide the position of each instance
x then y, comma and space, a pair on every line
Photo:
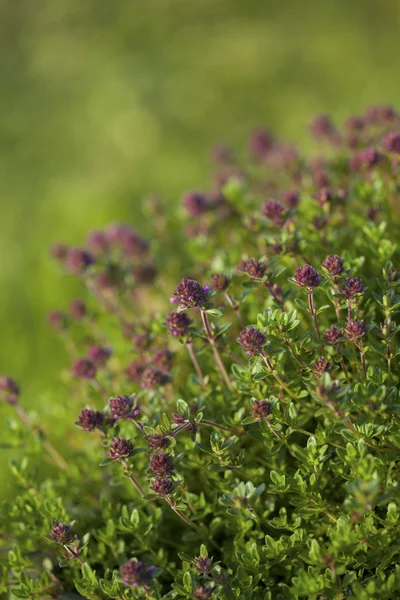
9, 389
219, 282
59, 251
120, 449
158, 442
99, 355
90, 419
153, 378
84, 368
355, 331
370, 157
352, 287
195, 204
178, 419
274, 211
202, 592
260, 409
251, 341
78, 260
380, 115
144, 273
178, 324
77, 309
333, 335
122, 407
322, 127
189, 293
203, 564
57, 320
141, 341
307, 276
127, 238
162, 487
135, 371
324, 196
260, 144
321, 366
333, 264
291, 198
135, 573
355, 123
162, 359
253, 267
97, 242
162, 465
61, 533
321, 179
392, 142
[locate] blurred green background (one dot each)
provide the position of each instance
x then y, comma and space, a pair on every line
104, 101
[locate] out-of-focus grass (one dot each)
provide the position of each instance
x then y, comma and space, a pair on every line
102, 102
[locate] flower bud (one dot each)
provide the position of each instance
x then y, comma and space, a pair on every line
252, 340
90, 419
162, 487
120, 449
162, 465
307, 276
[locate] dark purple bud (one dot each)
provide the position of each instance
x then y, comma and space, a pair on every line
178, 419
97, 242
61, 533
195, 204
260, 144
120, 449
322, 127
178, 324
153, 378
90, 419
370, 157
9, 389
352, 287
333, 264
135, 371
253, 267
203, 564
122, 407
78, 260
333, 335
57, 320
291, 198
59, 252
274, 211
162, 465
99, 355
355, 331
144, 273
324, 196
135, 573
392, 142
251, 341
260, 409
84, 368
219, 282
162, 487
162, 359
189, 293
158, 442
127, 238
203, 592
355, 123
77, 309
321, 366
307, 276
380, 115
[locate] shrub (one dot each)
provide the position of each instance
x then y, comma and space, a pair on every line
233, 391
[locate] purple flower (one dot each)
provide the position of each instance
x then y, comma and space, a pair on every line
322, 127
253, 267
99, 355
307, 276
178, 419
57, 320
127, 238
252, 340
122, 407
78, 260
135, 371
189, 293
77, 309
178, 324
274, 211
355, 331
291, 198
61, 533
260, 144
352, 287
202, 592
219, 282
333, 264
9, 389
195, 204
135, 573
90, 419
260, 409
333, 335
203, 564
380, 115
84, 368
158, 442
324, 196
162, 487
370, 157
355, 123
162, 359
162, 465
97, 242
120, 449
392, 142
153, 378
321, 366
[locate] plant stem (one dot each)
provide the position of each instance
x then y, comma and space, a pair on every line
313, 313
190, 349
235, 307
214, 348
51, 450
336, 301
223, 427
362, 355
73, 553
276, 376
291, 349
133, 479
180, 514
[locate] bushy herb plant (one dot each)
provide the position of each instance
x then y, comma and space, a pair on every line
233, 403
